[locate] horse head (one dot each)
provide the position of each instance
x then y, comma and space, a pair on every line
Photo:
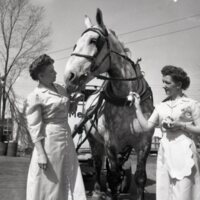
91, 55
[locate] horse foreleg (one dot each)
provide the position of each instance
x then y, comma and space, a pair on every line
97, 166
140, 174
113, 172
97, 150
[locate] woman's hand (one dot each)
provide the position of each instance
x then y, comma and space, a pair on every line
42, 161
73, 107
74, 102
134, 97
171, 124
167, 122
175, 125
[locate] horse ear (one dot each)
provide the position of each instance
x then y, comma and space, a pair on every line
99, 18
88, 22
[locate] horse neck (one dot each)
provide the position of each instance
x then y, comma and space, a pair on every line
123, 69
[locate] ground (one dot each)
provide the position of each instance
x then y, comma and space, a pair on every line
13, 173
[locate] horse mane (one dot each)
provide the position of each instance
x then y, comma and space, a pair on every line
126, 50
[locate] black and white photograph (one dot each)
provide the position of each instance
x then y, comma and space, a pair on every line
99, 100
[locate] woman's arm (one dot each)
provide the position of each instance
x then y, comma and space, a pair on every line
34, 120
193, 128
146, 125
42, 158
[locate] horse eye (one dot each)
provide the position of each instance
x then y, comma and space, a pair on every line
93, 41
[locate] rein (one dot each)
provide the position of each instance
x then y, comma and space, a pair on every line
119, 79
123, 79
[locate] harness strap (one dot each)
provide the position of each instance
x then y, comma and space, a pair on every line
120, 79
88, 115
87, 133
124, 155
92, 111
90, 58
108, 54
122, 101
96, 30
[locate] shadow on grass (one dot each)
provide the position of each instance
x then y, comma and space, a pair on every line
148, 195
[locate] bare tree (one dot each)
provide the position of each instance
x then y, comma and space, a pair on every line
23, 36
20, 128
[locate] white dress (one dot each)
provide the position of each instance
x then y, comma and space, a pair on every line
178, 162
62, 180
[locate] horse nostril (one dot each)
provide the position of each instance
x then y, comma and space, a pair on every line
72, 76
83, 77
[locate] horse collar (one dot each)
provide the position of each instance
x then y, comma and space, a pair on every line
110, 97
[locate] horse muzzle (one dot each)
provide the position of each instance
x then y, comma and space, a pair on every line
72, 88
75, 83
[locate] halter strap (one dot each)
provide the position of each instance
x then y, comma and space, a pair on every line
96, 30
88, 57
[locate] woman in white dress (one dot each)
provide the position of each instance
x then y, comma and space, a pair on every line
54, 172
178, 162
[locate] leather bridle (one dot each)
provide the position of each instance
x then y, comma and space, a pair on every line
102, 40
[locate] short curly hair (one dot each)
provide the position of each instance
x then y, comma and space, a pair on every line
177, 74
39, 65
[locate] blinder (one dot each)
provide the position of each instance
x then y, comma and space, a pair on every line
100, 43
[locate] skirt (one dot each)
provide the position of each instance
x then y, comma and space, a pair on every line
62, 180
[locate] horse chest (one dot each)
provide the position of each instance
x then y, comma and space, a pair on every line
119, 121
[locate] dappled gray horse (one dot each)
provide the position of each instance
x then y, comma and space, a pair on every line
116, 129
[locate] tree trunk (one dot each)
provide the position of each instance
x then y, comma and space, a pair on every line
4, 99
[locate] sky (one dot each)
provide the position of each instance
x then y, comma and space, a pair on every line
160, 32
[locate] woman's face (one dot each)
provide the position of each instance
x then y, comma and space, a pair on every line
171, 88
48, 76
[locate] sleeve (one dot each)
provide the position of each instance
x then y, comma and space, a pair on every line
196, 111
196, 121
154, 118
34, 118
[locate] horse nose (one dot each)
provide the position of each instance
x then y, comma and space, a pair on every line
83, 77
